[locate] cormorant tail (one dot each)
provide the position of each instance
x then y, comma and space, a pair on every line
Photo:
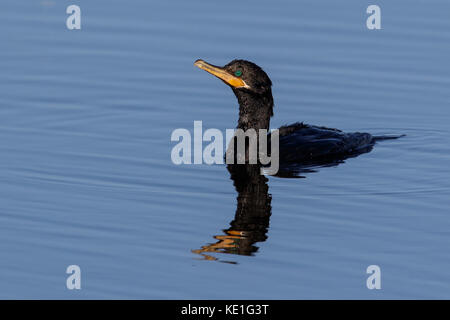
392, 137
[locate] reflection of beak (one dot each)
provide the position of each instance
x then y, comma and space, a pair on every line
222, 74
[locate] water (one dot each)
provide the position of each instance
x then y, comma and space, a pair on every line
86, 176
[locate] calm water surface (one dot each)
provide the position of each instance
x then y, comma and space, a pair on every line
86, 176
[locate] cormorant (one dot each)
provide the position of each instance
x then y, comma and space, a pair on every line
299, 142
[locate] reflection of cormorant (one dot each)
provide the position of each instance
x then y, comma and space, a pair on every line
251, 220
299, 143
253, 210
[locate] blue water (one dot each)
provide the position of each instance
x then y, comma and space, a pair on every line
86, 175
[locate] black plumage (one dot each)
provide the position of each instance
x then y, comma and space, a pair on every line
299, 143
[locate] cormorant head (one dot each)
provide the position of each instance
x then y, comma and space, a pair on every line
240, 75
252, 88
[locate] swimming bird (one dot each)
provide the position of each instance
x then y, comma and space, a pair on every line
299, 142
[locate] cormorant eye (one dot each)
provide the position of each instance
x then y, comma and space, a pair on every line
238, 73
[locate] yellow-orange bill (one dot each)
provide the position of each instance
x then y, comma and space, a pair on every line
222, 74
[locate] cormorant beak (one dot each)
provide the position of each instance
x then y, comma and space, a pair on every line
222, 74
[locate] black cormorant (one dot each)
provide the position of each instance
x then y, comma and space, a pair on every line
299, 142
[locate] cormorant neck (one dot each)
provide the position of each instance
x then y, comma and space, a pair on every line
255, 110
